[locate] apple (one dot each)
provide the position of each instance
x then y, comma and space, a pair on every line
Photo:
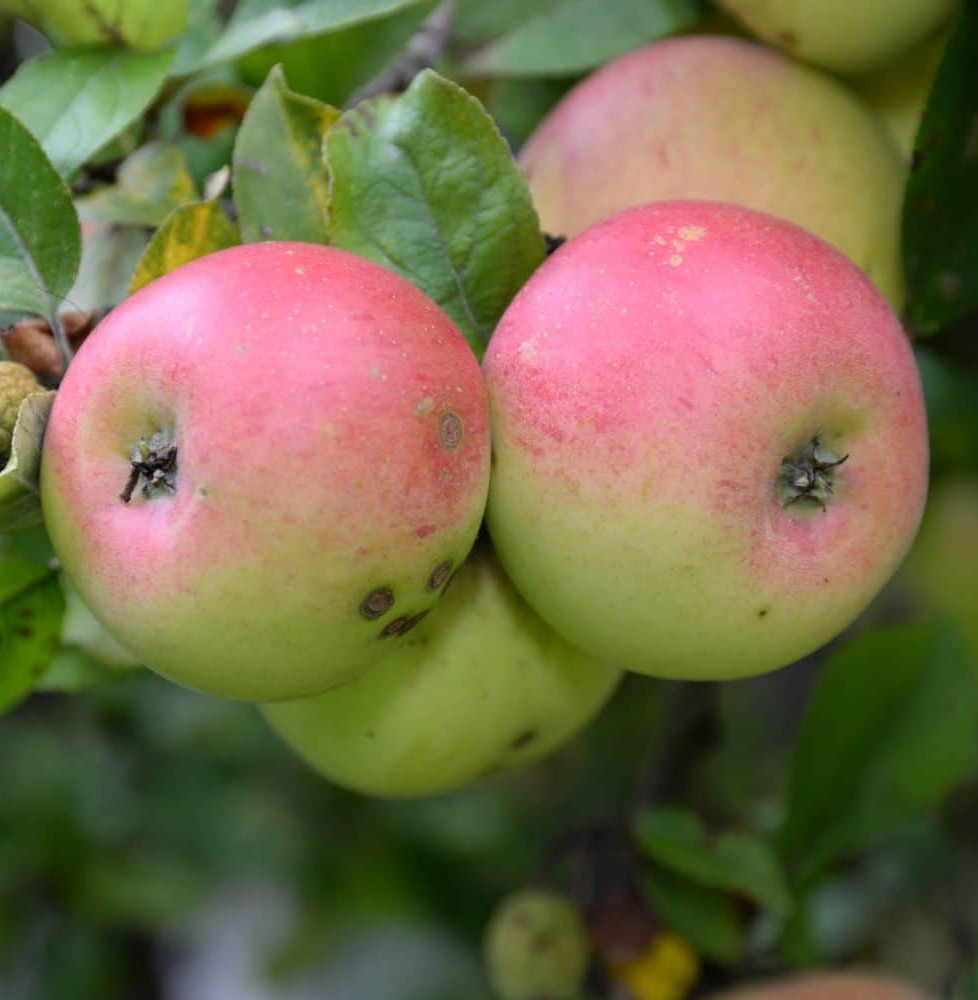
727, 120
260, 469
709, 441
827, 986
942, 568
482, 686
839, 34
537, 946
898, 91
137, 23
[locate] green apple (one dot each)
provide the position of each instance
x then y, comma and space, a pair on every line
537, 946
143, 24
828, 986
259, 468
709, 441
482, 686
726, 120
898, 91
942, 568
842, 35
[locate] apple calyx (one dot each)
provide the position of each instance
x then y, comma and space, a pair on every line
807, 476
155, 462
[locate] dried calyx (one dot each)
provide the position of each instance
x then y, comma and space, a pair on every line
154, 462
808, 476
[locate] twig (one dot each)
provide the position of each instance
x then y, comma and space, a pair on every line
423, 50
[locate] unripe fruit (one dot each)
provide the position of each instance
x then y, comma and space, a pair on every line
144, 24
17, 382
709, 441
839, 34
827, 986
536, 946
727, 120
255, 464
481, 686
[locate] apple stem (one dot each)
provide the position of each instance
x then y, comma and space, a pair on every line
808, 475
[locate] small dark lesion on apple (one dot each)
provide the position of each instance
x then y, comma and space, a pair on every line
762, 613
524, 739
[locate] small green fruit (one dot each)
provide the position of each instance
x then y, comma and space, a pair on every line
17, 382
143, 24
537, 946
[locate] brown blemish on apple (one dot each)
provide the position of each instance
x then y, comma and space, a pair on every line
377, 603
450, 431
414, 620
524, 739
440, 574
393, 628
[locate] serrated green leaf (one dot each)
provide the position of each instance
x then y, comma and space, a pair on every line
150, 184
20, 504
76, 100
737, 863
571, 36
30, 636
262, 22
192, 231
708, 918
940, 211
40, 239
889, 732
26, 559
425, 185
281, 186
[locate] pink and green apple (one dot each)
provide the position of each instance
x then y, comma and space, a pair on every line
261, 468
709, 441
726, 120
483, 685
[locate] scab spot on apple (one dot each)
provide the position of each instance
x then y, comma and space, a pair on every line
401, 625
377, 603
524, 739
450, 431
762, 613
439, 575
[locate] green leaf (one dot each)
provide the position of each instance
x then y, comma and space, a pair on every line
20, 505
281, 186
940, 212
40, 240
889, 732
31, 607
425, 185
262, 22
737, 863
571, 36
151, 183
192, 231
709, 919
76, 100
109, 258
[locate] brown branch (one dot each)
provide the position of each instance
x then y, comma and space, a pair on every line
424, 49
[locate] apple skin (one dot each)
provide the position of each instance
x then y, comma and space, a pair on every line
841, 35
645, 386
484, 685
828, 986
898, 91
331, 428
136, 23
727, 120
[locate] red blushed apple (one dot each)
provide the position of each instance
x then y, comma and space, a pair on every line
261, 469
827, 986
727, 120
709, 441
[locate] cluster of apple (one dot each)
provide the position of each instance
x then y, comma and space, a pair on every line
697, 438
